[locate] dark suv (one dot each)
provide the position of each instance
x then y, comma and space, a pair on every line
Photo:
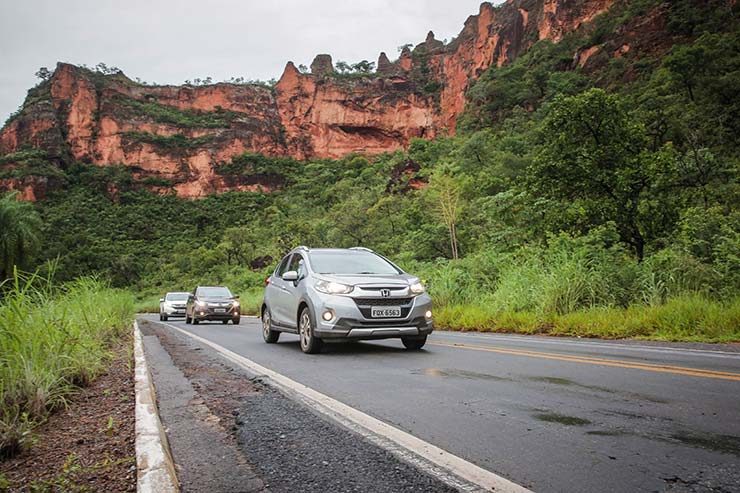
212, 303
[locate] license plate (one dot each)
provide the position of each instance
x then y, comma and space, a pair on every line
385, 311
220, 310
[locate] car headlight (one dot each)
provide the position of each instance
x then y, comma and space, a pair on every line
331, 287
417, 288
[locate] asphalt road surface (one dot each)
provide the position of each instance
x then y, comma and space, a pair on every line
549, 414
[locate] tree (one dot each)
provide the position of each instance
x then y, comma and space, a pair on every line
445, 192
43, 73
363, 67
20, 227
594, 155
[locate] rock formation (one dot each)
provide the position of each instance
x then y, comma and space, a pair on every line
181, 134
322, 65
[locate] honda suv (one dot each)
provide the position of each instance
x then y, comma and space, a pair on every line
212, 303
172, 305
350, 294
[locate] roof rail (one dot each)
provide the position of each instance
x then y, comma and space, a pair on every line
361, 248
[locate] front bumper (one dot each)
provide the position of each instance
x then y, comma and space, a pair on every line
173, 311
349, 322
212, 314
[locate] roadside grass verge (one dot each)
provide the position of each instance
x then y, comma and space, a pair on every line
688, 318
53, 339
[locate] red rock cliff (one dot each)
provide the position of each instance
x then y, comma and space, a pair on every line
178, 135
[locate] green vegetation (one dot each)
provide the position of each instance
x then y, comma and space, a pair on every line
20, 228
182, 118
171, 143
594, 201
52, 339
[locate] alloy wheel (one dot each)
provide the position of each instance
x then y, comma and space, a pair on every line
305, 330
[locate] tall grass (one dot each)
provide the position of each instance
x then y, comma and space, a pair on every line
52, 339
576, 286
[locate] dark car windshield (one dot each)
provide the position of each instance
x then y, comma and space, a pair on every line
350, 262
217, 292
176, 296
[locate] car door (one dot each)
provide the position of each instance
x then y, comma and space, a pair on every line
276, 294
292, 290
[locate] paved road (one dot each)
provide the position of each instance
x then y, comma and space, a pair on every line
550, 414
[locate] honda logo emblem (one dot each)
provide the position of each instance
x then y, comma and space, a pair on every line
385, 293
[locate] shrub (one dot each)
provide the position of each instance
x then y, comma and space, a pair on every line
51, 340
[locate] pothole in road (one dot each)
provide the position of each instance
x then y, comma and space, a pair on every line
562, 419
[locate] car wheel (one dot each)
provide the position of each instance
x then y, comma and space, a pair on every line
160, 316
414, 343
236, 320
310, 344
164, 318
187, 319
224, 322
270, 336
195, 320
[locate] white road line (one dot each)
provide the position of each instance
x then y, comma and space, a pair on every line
447, 467
585, 344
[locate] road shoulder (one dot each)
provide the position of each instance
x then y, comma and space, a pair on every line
212, 409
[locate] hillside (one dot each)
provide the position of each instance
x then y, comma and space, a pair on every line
177, 136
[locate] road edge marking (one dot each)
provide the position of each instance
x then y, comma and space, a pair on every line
154, 464
435, 461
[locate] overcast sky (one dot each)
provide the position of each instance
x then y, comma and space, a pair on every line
168, 41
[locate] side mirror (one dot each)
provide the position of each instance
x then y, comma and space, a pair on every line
291, 275
161, 300
236, 296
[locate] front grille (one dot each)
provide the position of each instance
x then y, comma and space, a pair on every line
362, 302
365, 305
379, 288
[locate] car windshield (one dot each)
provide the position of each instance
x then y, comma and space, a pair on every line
350, 262
176, 296
217, 292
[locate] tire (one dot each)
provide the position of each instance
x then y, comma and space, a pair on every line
224, 322
414, 343
310, 344
195, 320
164, 318
236, 320
160, 317
270, 336
187, 319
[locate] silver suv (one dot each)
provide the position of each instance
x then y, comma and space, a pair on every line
325, 294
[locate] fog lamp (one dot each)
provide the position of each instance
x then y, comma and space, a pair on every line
327, 315
428, 314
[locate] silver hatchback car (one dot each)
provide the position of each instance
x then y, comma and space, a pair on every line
325, 294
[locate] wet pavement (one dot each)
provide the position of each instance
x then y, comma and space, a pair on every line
550, 414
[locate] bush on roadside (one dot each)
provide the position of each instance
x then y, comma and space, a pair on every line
52, 339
